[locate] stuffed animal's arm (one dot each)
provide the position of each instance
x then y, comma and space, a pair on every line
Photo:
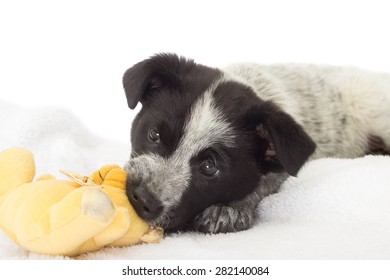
64, 227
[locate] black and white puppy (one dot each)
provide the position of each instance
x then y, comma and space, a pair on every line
209, 144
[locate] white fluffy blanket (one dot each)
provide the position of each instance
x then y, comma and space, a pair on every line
334, 209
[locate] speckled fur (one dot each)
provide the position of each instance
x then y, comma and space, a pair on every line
338, 107
260, 120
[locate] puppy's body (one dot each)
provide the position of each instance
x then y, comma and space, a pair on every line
209, 144
341, 108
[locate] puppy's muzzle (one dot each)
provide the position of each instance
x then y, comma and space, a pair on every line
145, 204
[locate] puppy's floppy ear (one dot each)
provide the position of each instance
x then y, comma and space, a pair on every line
286, 146
158, 72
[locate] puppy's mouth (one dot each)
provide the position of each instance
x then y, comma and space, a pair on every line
170, 221
163, 216
154, 195
165, 221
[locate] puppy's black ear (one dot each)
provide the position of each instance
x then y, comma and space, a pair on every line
158, 72
285, 145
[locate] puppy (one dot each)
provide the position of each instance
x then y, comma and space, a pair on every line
209, 144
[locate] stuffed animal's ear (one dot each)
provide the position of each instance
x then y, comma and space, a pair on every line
158, 72
286, 146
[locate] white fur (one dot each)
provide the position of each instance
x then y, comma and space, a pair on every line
205, 126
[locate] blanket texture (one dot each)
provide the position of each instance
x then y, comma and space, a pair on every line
333, 209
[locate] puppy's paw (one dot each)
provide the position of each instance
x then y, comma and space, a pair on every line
223, 218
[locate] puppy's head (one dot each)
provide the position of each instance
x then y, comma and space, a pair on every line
201, 139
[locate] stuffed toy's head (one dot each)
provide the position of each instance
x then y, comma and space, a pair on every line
61, 217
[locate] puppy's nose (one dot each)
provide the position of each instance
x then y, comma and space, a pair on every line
145, 204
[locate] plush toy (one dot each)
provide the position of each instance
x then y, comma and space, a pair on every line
60, 217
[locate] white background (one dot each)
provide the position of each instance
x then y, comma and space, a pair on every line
73, 53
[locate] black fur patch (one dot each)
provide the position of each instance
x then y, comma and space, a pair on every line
167, 86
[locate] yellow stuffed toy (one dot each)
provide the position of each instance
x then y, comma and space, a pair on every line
60, 217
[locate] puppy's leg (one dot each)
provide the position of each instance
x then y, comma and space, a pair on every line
237, 215
231, 217
367, 99
376, 146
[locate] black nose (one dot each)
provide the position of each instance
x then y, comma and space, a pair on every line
145, 204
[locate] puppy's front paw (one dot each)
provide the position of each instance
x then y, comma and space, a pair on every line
223, 218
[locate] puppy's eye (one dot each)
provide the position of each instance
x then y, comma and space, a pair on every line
209, 168
154, 136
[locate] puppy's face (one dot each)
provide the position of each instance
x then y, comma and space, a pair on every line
201, 139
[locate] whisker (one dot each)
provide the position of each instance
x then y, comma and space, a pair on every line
133, 152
